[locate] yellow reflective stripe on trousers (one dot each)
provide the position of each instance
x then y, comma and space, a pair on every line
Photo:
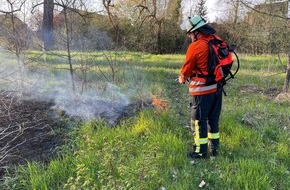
196, 129
196, 136
213, 135
200, 141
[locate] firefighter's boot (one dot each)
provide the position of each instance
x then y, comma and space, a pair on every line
213, 143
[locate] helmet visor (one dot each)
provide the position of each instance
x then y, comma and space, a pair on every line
183, 24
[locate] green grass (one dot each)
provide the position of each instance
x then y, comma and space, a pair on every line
148, 151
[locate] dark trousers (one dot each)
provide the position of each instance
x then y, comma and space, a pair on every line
205, 111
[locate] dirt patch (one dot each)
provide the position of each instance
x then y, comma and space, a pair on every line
27, 131
283, 97
270, 93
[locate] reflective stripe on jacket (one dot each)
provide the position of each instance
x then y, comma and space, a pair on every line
199, 88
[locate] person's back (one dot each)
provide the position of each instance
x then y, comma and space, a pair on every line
195, 66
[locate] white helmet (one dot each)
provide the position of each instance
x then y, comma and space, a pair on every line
192, 24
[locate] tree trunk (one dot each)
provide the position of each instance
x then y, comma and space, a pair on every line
159, 38
107, 4
47, 24
236, 12
287, 79
17, 47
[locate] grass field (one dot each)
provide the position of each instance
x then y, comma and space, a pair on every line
148, 151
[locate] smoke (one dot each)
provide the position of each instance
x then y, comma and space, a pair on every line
100, 100
97, 102
107, 103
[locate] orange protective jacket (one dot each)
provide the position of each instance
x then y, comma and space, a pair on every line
197, 57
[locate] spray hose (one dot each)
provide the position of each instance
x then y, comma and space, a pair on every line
232, 75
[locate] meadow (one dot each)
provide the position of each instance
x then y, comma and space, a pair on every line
148, 150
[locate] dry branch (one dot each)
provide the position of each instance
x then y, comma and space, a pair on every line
26, 130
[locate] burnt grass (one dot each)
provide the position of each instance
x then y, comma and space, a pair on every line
27, 132
33, 130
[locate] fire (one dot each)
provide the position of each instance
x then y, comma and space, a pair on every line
159, 104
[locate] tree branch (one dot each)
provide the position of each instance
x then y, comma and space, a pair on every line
262, 12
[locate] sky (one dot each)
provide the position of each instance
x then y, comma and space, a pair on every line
210, 4
212, 13
216, 8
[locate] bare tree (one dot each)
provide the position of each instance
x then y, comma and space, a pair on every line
47, 24
15, 33
67, 6
15, 122
154, 14
201, 8
108, 4
236, 12
287, 78
280, 18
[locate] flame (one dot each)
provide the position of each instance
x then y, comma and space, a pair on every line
159, 104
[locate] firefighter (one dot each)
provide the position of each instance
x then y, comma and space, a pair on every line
206, 100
